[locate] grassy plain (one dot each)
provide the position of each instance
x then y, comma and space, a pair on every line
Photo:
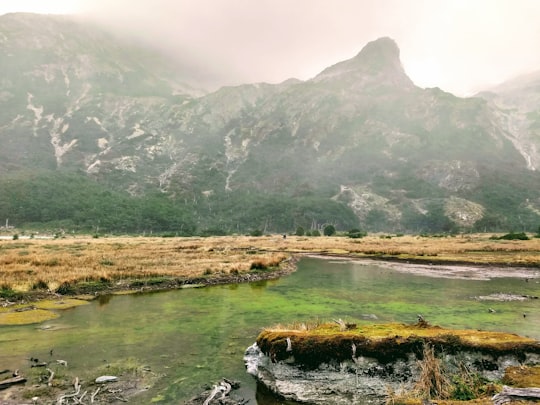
86, 264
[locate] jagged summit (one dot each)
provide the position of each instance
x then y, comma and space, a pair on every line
379, 59
379, 54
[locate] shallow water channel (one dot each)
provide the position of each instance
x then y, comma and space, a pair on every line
197, 336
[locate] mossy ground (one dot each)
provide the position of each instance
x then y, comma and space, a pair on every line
313, 345
28, 313
385, 342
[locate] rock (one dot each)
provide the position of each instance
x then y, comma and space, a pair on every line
106, 379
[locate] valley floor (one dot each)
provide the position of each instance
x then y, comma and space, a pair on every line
33, 269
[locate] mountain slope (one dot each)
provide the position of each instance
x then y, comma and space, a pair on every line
357, 145
516, 104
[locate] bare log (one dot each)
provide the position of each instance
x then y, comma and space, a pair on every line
516, 394
11, 381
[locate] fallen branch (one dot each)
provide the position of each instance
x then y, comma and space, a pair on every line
227, 387
94, 395
49, 381
516, 394
217, 388
79, 400
224, 387
77, 386
11, 381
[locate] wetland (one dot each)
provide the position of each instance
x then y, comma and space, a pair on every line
178, 341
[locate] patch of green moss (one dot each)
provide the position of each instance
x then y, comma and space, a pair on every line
26, 317
60, 304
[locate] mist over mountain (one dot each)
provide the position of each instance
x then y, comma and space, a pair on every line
99, 133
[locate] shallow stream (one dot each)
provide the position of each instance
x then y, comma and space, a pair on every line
195, 337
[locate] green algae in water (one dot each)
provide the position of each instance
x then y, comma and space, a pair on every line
197, 336
26, 317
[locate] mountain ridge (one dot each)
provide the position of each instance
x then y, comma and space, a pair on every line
358, 145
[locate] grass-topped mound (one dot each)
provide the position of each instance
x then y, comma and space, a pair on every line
312, 345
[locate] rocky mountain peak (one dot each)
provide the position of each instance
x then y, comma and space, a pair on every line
379, 60
381, 54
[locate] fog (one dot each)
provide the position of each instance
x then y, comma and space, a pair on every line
461, 46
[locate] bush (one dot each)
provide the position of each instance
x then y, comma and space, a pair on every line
329, 230
256, 232
512, 236
258, 265
66, 288
8, 293
315, 232
300, 231
356, 233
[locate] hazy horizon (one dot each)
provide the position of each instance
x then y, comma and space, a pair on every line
460, 46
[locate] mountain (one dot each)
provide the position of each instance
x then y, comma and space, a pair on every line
517, 104
358, 145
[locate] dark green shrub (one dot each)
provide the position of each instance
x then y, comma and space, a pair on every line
315, 232
356, 233
66, 288
514, 236
258, 265
300, 231
7, 292
329, 230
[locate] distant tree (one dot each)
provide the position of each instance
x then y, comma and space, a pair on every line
315, 232
256, 232
300, 231
329, 230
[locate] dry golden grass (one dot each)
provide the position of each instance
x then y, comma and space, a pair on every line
30, 264
38, 264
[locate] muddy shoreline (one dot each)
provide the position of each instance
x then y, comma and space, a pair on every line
456, 270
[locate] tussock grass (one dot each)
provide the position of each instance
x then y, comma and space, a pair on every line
64, 263
433, 381
40, 264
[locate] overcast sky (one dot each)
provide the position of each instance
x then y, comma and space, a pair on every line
459, 45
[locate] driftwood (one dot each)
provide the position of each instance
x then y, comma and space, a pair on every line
516, 394
219, 394
77, 387
94, 395
49, 381
11, 381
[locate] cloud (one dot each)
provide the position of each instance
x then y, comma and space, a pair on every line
459, 45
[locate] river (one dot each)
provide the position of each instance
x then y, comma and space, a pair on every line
194, 337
